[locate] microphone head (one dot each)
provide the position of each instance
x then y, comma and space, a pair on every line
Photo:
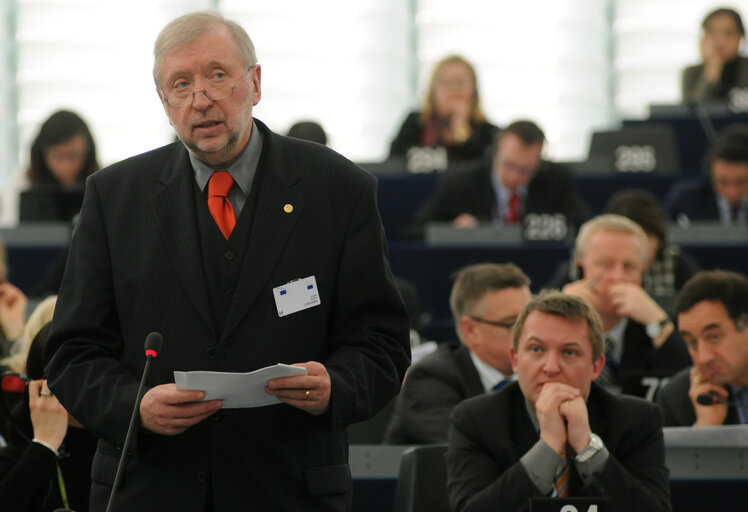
707, 399
153, 344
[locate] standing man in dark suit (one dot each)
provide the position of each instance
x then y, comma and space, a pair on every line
712, 312
159, 247
518, 182
723, 195
485, 300
611, 253
555, 432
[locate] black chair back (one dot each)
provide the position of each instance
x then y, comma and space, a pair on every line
422, 483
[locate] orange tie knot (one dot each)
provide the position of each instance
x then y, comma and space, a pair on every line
220, 184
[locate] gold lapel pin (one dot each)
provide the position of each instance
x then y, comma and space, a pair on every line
288, 208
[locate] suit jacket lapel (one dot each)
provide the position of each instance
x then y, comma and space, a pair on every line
469, 371
171, 203
271, 226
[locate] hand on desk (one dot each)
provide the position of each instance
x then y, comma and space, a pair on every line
310, 392
167, 410
465, 220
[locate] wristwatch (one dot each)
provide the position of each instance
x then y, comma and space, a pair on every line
596, 444
654, 329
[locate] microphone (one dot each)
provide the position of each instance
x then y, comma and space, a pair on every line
710, 399
704, 120
153, 344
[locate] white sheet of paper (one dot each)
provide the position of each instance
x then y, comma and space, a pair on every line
237, 390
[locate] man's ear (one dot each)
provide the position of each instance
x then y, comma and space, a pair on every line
467, 330
597, 366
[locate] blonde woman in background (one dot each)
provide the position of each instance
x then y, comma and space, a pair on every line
451, 117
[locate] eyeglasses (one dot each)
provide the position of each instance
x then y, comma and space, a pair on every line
218, 89
505, 325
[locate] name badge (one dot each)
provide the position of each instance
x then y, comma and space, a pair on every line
296, 295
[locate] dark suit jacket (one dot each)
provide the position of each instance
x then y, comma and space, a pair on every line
693, 198
135, 266
639, 354
476, 146
695, 88
490, 433
677, 407
431, 389
471, 191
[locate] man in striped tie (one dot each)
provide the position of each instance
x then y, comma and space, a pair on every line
555, 432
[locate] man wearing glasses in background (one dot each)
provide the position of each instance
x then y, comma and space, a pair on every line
244, 249
723, 194
515, 183
485, 301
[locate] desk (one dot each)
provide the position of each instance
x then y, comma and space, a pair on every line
400, 195
707, 471
689, 131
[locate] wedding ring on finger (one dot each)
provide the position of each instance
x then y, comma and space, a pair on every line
45, 393
306, 395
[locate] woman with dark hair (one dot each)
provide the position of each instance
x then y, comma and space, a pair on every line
722, 69
62, 156
451, 117
47, 463
63, 153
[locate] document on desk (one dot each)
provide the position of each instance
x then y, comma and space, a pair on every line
237, 390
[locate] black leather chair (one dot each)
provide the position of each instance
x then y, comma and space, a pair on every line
422, 483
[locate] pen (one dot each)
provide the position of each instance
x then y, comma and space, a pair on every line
594, 281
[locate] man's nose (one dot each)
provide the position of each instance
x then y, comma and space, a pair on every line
550, 365
701, 354
200, 100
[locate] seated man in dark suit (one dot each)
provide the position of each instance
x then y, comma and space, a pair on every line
611, 251
485, 300
712, 312
723, 196
517, 183
555, 432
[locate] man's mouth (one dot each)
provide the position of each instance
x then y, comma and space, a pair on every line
207, 124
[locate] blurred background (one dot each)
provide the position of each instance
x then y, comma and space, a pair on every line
573, 66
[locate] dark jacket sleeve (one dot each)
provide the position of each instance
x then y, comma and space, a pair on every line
635, 476
694, 87
476, 482
552, 191
408, 136
431, 390
673, 399
466, 190
27, 475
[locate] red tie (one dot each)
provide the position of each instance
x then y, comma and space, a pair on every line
512, 215
218, 202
